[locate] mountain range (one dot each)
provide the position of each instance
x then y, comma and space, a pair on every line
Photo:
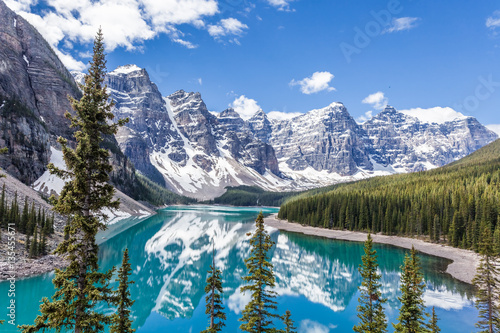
179, 144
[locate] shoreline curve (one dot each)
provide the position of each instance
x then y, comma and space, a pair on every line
464, 262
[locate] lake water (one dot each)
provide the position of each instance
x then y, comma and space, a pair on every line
317, 278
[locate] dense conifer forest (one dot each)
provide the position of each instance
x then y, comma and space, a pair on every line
452, 204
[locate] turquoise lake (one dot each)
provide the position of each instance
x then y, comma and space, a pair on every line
317, 278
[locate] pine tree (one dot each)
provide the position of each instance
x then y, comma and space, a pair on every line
289, 328
34, 245
2, 207
214, 308
80, 286
27, 244
370, 310
487, 285
257, 315
120, 321
433, 325
412, 312
24, 217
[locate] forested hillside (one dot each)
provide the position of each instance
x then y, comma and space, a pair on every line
450, 204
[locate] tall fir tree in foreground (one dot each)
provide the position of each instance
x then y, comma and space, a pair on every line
80, 286
370, 309
120, 321
487, 285
214, 309
258, 313
287, 320
412, 311
433, 325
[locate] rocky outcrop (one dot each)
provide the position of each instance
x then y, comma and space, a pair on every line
407, 144
34, 86
324, 139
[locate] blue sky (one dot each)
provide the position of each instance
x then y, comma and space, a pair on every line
295, 55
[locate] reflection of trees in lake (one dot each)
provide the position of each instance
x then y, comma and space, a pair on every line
171, 254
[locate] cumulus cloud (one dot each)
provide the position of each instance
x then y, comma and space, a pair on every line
363, 118
280, 4
278, 115
125, 23
310, 326
493, 21
495, 128
246, 107
319, 81
225, 27
377, 100
437, 114
238, 301
402, 23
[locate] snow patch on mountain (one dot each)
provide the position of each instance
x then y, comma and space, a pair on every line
437, 115
51, 184
279, 116
127, 69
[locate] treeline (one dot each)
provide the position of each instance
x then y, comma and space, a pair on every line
451, 204
36, 224
157, 195
251, 196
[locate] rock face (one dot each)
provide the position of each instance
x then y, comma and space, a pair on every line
177, 142
325, 139
34, 90
34, 86
407, 144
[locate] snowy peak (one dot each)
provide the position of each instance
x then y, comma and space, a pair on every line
126, 69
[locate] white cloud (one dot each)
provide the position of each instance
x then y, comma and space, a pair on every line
229, 26
185, 43
363, 118
317, 82
495, 128
125, 23
280, 4
20, 5
238, 301
377, 100
445, 299
278, 115
200, 81
310, 326
401, 24
493, 21
438, 114
246, 107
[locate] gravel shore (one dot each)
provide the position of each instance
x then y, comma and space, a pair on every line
462, 268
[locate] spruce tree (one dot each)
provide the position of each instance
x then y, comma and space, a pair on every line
2, 206
34, 244
120, 321
257, 315
370, 310
412, 311
289, 328
24, 217
433, 325
80, 286
487, 285
214, 307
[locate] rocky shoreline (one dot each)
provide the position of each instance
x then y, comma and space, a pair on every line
462, 268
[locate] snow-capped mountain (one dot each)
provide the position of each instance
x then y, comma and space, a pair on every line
178, 143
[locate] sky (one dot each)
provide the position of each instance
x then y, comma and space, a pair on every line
437, 59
